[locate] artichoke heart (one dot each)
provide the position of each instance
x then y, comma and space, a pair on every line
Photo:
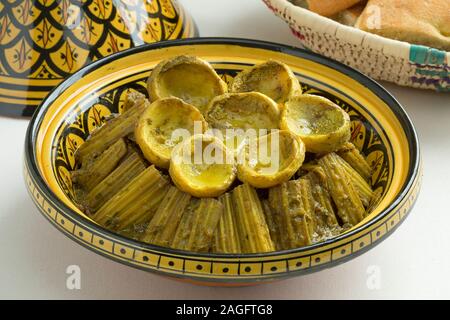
250, 110
322, 125
202, 166
271, 159
271, 78
163, 125
240, 116
188, 78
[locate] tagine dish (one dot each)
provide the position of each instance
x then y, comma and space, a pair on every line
251, 196
223, 160
42, 42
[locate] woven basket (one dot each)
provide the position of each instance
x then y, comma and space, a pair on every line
380, 58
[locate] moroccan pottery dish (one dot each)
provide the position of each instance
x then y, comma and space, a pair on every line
293, 204
42, 42
379, 129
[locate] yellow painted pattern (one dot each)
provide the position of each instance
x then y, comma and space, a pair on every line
46, 41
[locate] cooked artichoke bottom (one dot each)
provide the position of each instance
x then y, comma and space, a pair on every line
322, 125
185, 82
202, 166
251, 110
188, 78
309, 120
154, 132
275, 167
271, 78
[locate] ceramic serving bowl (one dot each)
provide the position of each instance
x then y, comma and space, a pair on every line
44, 41
380, 128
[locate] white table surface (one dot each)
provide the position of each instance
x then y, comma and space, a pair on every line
414, 262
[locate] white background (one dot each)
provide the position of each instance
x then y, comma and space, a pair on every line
413, 263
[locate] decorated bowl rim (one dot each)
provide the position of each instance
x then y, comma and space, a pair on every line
375, 87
